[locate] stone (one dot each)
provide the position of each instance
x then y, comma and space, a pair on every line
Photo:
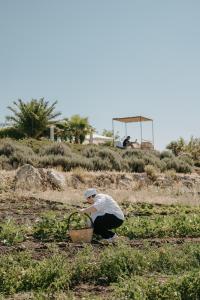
56, 179
28, 178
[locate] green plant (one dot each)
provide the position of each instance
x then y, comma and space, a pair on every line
177, 146
151, 172
136, 165
56, 149
33, 117
79, 221
10, 233
76, 129
51, 274
11, 132
51, 227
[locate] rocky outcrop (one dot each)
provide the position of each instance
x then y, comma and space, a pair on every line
28, 178
56, 179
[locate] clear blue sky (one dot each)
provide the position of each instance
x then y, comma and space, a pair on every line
104, 59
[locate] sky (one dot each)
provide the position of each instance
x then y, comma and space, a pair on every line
106, 58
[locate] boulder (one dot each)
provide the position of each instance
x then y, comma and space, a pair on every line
28, 178
56, 179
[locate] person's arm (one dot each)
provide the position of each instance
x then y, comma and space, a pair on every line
89, 210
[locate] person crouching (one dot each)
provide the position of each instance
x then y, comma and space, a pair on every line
105, 213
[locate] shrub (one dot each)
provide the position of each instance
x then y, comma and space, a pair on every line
66, 163
151, 172
84, 268
136, 165
167, 154
50, 227
178, 165
113, 157
9, 147
11, 132
121, 261
154, 161
90, 151
56, 149
187, 158
161, 226
133, 153
51, 274
171, 174
100, 165
11, 234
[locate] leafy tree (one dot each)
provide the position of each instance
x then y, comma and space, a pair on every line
193, 147
74, 129
79, 128
109, 133
177, 146
32, 118
63, 130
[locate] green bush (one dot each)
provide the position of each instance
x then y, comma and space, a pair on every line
161, 226
51, 274
185, 287
66, 163
113, 157
133, 153
51, 227
10, 233
121, 261
45, 153
167, 154
11, 132
136, 165
178, 165
90, 151
56, 149
9, 147
101, 165
151, 172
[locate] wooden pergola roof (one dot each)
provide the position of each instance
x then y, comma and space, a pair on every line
132, 119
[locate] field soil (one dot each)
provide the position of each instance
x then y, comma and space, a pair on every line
25, 208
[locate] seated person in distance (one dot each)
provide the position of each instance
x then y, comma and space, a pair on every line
127, 142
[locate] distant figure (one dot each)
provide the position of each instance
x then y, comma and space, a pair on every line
127, 142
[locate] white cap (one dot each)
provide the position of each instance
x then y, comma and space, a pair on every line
90, 192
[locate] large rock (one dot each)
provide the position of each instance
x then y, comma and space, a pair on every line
56, 179
28, 178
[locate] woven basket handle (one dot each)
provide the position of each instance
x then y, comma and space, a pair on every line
76, 213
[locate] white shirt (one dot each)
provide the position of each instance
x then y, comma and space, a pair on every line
105, 204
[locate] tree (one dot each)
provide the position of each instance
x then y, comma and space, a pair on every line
74, 129
177, 146
32, 118
109, 133
79, 127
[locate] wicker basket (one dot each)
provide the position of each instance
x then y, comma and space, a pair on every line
83, 235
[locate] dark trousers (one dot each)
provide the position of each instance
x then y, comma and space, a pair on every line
102, 224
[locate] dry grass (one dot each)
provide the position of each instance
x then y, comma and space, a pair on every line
107, 182
74, 197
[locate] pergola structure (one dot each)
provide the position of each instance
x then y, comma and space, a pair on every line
135, 119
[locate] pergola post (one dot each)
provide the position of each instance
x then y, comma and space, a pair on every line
141, 130
113, 131
138, 119
152, 134
125, 129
